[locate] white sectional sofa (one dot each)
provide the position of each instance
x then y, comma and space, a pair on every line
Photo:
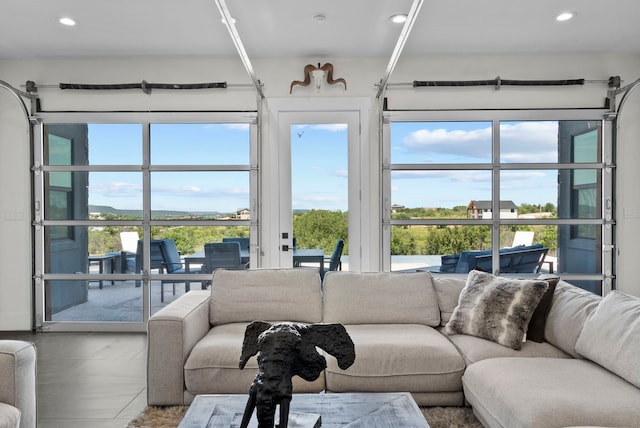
17, 384
397, 323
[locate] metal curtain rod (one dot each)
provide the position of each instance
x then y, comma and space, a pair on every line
498, 82
144, 85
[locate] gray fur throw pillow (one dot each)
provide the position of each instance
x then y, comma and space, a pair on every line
496, 308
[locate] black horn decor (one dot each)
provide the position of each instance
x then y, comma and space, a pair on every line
286, 350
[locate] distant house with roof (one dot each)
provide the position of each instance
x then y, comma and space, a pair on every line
396, 207
243, 214
483, 210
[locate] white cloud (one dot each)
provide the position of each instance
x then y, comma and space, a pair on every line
531, 141
115, 189
451, 176
473, 143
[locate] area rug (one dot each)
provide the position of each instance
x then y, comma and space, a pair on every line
438, 417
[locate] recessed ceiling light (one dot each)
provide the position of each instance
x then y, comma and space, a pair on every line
65, 20
398, 19
565, 16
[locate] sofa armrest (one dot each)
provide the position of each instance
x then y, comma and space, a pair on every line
172, 332
18, 379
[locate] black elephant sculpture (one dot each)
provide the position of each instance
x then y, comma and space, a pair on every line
288, 349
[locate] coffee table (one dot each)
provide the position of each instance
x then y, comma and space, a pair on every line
352, 410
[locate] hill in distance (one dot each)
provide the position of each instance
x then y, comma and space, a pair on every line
105, 209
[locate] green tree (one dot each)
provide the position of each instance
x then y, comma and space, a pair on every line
455, 239
321, 229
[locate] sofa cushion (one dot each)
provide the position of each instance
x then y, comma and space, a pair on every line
549, 392
395, 357
535, 331
611, 336
474, 349
212, 366
265, 294
570, 308
448, 292
496, 308
380, 298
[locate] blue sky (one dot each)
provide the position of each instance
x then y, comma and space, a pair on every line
319, 166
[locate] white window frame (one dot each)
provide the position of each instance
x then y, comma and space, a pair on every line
496, 116
145, 119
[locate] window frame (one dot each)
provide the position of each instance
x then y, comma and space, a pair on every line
41, 223
605, 219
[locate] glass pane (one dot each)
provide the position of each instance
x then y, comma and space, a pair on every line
111, 195
320, 191
190, 240
533, 192
118, 194
85, 301
437, 194
91, 245
202, 195
435, 246
441, 142
549, 141
115, 144
546, 236
93, 144
319, 167
200, 144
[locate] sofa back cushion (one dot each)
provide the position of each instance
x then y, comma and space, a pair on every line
570, 309
380, 298
448, 292
265, 294
611, 336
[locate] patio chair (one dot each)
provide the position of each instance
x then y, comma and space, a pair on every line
522, 237
157, 259
334, 261
244, 242
222, 255
129, 242
172, 263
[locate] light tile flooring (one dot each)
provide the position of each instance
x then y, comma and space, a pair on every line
88, 380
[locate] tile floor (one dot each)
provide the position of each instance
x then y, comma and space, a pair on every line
88, 380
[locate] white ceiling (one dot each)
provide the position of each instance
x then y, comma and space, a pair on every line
285, 28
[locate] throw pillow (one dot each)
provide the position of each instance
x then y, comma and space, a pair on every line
535, 332
496, 308
611, 336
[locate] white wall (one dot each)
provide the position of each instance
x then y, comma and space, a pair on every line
627, 201
15, 216
361, 75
